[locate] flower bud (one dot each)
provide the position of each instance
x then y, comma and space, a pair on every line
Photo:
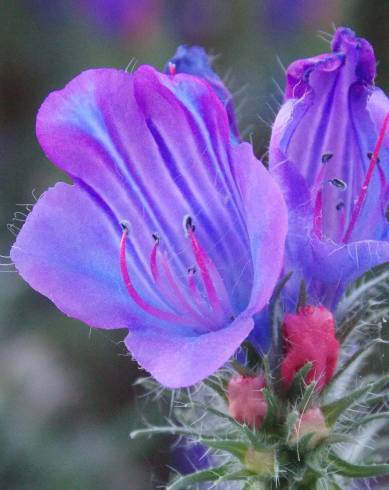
310, 337
261, 462
246, 401
312, 421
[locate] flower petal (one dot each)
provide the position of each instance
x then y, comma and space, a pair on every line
266, 221
336, 266
178, 361
68, 251
195, 61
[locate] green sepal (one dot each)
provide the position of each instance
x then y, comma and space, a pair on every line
332, 411
223, 473
298, 383
307, 397
356, 471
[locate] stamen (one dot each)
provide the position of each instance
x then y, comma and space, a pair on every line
153, 258
202, 259
172, 68
370, 156
162, 315
339, 183
369, 175
326, 157
192, 285
340, 206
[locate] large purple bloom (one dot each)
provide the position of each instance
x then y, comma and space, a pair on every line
329, 151
167, 230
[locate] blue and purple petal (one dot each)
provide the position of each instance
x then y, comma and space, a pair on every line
322, 147
199, 224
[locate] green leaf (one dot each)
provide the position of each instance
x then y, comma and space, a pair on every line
365, 299
236, 448
332, 411
351, 470
366, 420
213, 474
352, 359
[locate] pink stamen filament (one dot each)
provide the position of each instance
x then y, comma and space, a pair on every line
153, 262
160, 314
172, 292
202, 259
362, 195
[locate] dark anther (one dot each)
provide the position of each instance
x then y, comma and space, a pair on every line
370, 155
326, 157
188, 223
340, 206
340, 184
192, 270
156, 237
125, 225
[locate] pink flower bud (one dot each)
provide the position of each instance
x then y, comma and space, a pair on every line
246, 401
311, 422
310, 337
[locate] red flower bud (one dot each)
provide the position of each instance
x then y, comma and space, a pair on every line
310, 337
246, 401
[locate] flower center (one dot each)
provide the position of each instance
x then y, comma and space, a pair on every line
188, 305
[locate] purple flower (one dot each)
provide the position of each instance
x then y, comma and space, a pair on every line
195, 61
167, 230
329, 152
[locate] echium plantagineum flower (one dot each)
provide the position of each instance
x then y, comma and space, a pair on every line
330, 153
168, 229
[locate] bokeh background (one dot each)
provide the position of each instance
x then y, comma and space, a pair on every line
67, 394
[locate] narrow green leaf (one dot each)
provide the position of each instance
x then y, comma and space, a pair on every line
236, 448
298, 383
307, 397
351, 470
369, 418
351, 360
332, 411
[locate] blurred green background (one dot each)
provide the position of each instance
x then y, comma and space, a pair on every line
67, 400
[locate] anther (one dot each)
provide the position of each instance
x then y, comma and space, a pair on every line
125, 226
326, 157
188, 224
339, 183
340, 206
156, 238
192, 270
370, 156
